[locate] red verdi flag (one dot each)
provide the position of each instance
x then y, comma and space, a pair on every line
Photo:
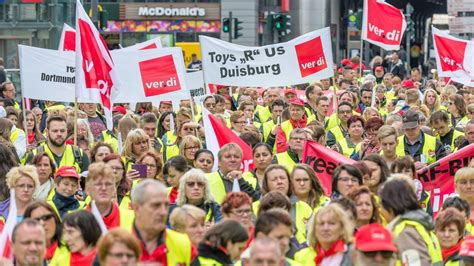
95, 75
68, 39
383, 24
453, 57
218, 135
323, 161
438, 178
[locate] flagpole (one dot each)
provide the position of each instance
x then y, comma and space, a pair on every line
361, 55
75, 121
24, 118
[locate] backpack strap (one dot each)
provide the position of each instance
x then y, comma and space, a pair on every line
77, 156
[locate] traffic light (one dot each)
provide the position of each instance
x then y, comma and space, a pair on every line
237, 28
226, 24
282, 23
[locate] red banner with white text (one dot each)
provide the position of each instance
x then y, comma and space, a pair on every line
323, 161
438, 177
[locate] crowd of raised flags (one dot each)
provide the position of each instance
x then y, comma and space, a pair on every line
122, 158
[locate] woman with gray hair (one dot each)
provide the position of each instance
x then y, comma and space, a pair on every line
194, 189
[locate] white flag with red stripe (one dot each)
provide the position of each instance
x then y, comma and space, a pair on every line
383, 24
218, 134
68, 39
454, 57
95, 75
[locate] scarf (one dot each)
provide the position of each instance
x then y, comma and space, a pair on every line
111, 220
337, 247
299, 124
173, 195
31, 137
43, 190
77, 259
451, 251
50, 251
65, 204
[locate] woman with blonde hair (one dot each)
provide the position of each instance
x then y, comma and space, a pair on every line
189, 219
136, 144
188, 147
194, 189
306, 186
432, 101
329, 237
24, 181
457, 109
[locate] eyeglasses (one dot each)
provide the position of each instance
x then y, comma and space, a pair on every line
344, 111
193, 184
192, 148
242, 212
240, 122
151, 166
385, 254
25, 186
347, 179
44, 218
121, 255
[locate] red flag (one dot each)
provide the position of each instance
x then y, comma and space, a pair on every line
68, 39
438, 178
95, 75
453, 57
323, 161
218, 134
383, 24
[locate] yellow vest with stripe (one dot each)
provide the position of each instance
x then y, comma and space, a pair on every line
452, 263
346, 150
285, 159
178, 248
263, 113
110, 139
61, 257
217, 185
267, 128
68, 159
333, 120
428, 149
306, 256
14, 135
209, 262
250, 178
456, 134
302, 212
55, 107
170, 151
170, 138
429, 238
337, 132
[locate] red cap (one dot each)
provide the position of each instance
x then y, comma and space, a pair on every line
374, 237
345, 62
67, 171
408, 84
166, 102
290, 91
467, 247
119, 109
297, 101
379, 68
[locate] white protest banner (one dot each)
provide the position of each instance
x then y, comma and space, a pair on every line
453, 57
150, 44
54, 80
304, 59
152, 75
195, 83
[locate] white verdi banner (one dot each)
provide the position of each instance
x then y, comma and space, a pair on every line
47, 74
151, 75
304, 59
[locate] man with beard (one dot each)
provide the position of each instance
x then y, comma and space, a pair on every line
57, 149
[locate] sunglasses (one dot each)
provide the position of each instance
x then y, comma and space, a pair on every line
385, 254
192, 184
44, 218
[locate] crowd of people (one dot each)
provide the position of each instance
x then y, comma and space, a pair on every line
148, 192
